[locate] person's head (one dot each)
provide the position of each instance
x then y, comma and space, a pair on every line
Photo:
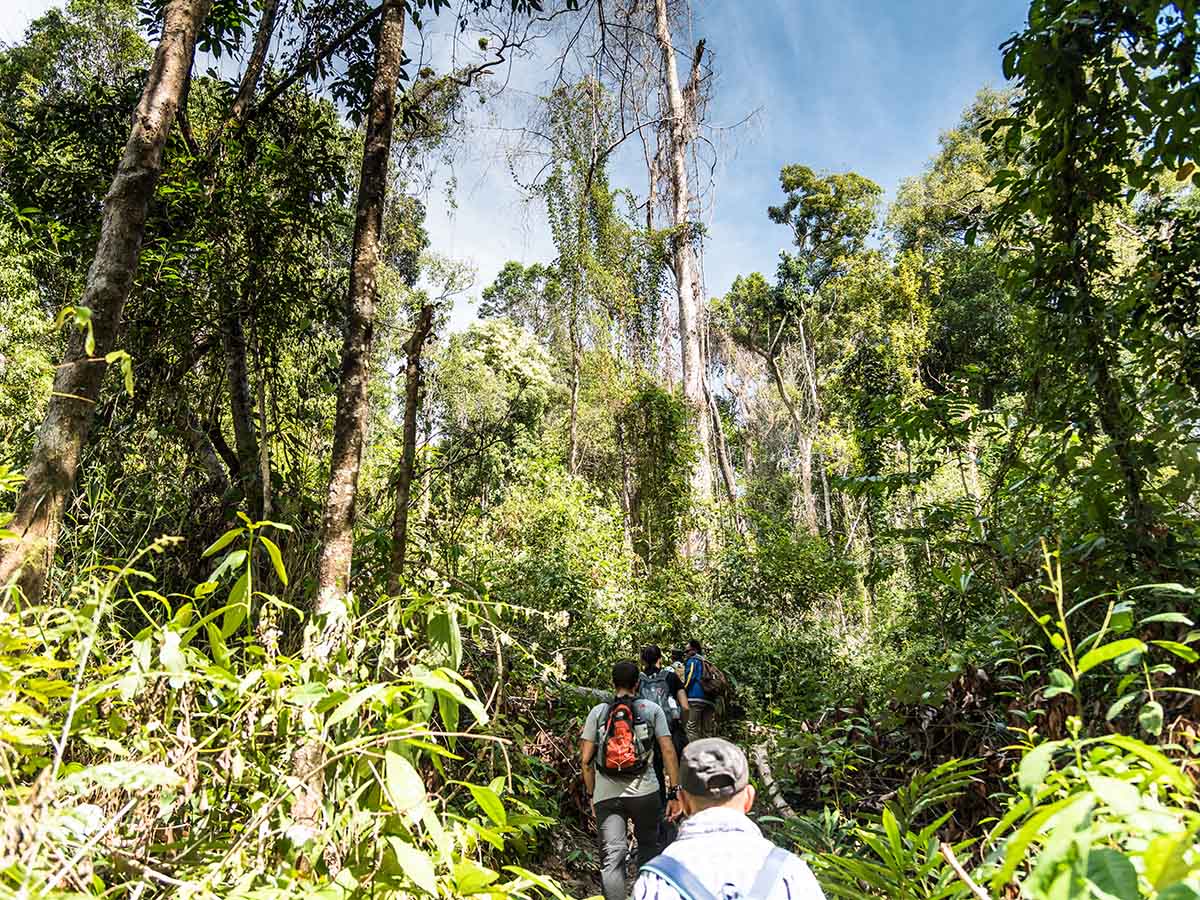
677, 656
694, 648
651, 655
713, 772
625, 675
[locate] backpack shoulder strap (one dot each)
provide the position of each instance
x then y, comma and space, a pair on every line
674, 872
769, 874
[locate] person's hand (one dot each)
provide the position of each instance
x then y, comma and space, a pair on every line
674, 810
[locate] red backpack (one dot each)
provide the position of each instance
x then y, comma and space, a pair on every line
625, 748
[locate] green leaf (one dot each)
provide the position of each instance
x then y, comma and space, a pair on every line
1109, 651
350, 705
276, 558
223, 541
1035, 765
1164, 859
439, 682
1119, 706
171, 657
129, 776
1060, 683
1177, 617
236, 610
545, 884
1150, 717
1122, 796
449, 708
1113, 873
216, 641
1183, 651
446, 635
489, 801
472, 878
404, 785
415, 863
1179, 892
1162, 767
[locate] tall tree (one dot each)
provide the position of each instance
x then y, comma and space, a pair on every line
680, 133
337, 526
413, 350
51, 474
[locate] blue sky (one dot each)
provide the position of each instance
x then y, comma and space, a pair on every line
838, 84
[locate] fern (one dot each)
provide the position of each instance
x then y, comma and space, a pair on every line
895, 860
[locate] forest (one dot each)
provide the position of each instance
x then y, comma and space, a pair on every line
305, 581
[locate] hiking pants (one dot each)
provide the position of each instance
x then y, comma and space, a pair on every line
612, 817
700, 719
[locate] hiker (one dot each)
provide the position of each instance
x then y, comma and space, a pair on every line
664, 687
616, 754
700, 705
719, 852
677, 663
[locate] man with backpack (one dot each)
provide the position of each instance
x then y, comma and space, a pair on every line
662, 686
699, 679
616, 750
719, 852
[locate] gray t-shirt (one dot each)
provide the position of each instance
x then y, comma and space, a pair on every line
608, 787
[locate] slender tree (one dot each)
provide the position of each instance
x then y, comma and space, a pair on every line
681, 127
337, 545
52, 471
413, 348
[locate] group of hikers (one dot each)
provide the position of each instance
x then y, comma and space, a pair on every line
649, 758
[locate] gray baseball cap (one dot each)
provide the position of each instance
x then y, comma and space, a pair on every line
713, 767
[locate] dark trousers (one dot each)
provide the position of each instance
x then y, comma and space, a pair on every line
612, 817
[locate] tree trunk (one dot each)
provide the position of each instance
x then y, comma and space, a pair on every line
726, 467
576, 378
203, 450
1119, 430
808, 507
330, 610
258, 58
68, 422
241, 410
337, 546
808, 498
412, 399
691, 341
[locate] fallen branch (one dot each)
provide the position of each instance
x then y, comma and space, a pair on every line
774, 791
948, 855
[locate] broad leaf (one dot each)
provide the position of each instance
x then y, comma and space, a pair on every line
1112, 650
276, 558
415, 863
404, 785
223, 541
1113, 873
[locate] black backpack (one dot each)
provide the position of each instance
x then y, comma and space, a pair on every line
657, 689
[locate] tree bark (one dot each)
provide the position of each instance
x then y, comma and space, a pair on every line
330, 609
77, 382
576, 378
337, 547
413, 349
241, 410
258, 58
691, 341
203, 450
808, 506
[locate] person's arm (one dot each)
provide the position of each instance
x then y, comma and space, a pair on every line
587, 756
681, 697
689, 671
